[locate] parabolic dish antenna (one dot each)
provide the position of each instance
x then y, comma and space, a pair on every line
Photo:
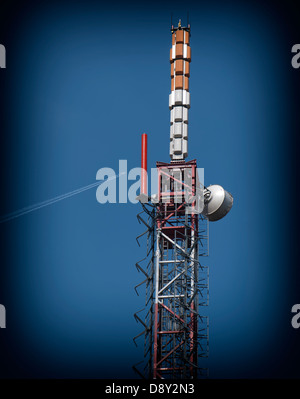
217, 202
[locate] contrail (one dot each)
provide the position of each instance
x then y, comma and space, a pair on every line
39, 205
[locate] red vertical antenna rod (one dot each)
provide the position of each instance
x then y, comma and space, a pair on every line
144, 180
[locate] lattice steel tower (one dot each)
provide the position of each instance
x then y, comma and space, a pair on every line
176, 220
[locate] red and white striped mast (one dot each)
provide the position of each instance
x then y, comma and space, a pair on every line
179, 99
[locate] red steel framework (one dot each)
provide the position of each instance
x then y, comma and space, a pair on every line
176, 335
176, 339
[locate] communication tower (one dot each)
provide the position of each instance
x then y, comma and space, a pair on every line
176, 219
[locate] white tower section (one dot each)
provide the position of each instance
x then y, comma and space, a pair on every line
179, 99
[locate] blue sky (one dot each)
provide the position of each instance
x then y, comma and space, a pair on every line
84, 83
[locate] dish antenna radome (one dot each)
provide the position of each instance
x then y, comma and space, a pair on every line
217, 202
